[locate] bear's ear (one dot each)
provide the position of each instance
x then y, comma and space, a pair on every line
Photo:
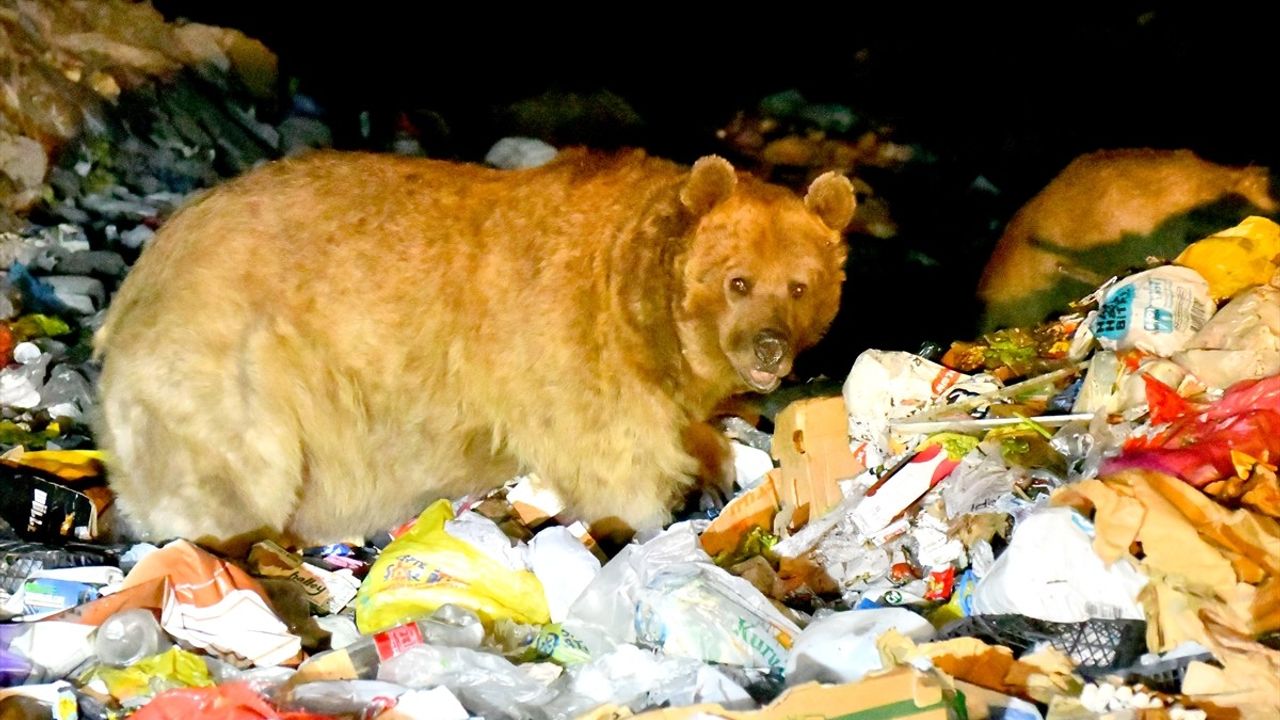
830, 197
710, 183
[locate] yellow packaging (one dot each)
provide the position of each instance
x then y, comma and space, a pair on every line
174, 668
69, 465
1236, 258
427, 567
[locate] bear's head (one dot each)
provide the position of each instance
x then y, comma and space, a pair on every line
762, 272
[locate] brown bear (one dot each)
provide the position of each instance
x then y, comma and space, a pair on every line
319, 348
1107, 212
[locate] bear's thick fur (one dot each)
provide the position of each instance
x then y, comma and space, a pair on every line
320, 347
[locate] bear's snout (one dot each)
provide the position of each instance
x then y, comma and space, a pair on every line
770, 348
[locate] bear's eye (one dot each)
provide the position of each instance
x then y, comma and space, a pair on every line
798, 290
742, 286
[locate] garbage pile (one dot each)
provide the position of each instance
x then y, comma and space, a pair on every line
1073, 520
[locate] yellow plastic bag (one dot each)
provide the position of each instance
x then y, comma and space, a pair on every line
427, 567
174, 668
1236, 258
69, 465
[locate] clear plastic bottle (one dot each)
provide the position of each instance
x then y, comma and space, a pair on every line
450, 626
128, 636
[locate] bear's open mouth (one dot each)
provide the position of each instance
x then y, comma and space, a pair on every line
761, 381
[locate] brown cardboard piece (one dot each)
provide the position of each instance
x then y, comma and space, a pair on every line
1037, 676
811, 445
753, 508
899, 693
1198, 554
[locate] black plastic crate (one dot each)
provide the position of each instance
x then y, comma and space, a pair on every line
1098, 647
1166, 675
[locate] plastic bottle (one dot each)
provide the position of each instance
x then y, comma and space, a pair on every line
450, 626
128, 636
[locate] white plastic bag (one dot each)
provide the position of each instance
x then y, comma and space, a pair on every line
1051, 572
699, 611
487, 685
842, 647
564, 566
640, 679
667, 594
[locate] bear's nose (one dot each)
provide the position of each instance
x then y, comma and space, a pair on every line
771, 346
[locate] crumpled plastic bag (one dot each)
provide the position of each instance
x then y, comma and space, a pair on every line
640, 679
564, 566
668, 594
1051, 572
700, 611
488, 685
427, 567
1236, 258
1203, 446
887, 385
136, 684
842, 647
1156, 311
1240, 342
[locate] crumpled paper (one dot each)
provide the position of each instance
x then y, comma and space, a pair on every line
1198, 554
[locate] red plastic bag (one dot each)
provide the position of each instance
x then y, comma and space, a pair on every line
1197, 446
232, 701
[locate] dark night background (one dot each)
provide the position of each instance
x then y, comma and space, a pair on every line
1008, 95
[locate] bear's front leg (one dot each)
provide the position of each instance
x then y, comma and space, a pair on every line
710, 448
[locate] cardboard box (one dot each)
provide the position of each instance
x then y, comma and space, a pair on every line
903, 692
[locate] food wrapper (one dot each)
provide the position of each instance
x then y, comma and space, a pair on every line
42, 506
885, 386
1156, 311
327, 591
1236, 258
427, 567
928, 467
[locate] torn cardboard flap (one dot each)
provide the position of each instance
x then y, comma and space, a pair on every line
1182, 531
899, 693
811, 445
1036, 677
1249, 679
1199, 555
753, 508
